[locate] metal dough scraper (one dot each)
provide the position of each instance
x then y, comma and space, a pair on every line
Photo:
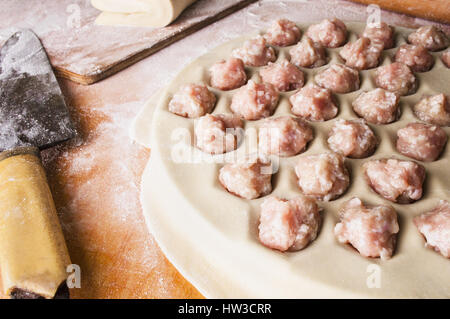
33, 116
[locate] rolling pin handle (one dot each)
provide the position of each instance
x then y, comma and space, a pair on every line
33, 253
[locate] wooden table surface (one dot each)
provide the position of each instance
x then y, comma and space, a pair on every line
95, 178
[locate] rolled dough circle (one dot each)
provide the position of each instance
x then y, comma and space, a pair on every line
211, 235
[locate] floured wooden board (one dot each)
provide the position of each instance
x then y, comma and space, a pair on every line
216, 245
86, 53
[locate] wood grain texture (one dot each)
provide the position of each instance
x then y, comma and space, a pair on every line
437, 10
86, 53
95, 179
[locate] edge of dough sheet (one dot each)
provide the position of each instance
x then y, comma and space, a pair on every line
218, 253
139, 13
209, 261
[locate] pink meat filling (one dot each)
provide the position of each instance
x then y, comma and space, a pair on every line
192, 100
323, 176
308, 54
284, 136
435, 227
328, 33
255, 101
415, 56
396, 77
434, 109
430, 37
288, 224
423, 142
255, 52
284, 76
361, 54
370, 230
228, 75
250, 179
217, 134
283, 33
381, 34
352, 139
396, 180
338, 78
377, 106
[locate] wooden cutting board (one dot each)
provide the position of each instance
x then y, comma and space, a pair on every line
86, 53
438, 10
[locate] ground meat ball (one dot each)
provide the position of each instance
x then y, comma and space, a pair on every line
396, 180
352, 139
430, 37
380, 33
284, 136
338, 78
434, 109
192, 100
361, 54
377, 106
215, 135
283, 33
329, 33
284, 76
396, 77
446, 58
255, 101
314, 103
255, 52
323, 176
288, 224
250, 180
435, 227
308, 54
228, 75
423, 142
371, 230
415, 56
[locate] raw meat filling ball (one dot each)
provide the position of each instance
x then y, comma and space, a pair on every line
423, 142
435, 227
255, 101
377, 106
283, 33
434, 109
430, 37
352, 139
338, 78
250, 179
370, 230
255, 52
288, 224
308, 54
396, 77
446, 58
284, 136
381, 34
314, 103
322, 176
192, 100
396, 180
415, 56
217, 134
328, 33
361, 54
284, 76
228, 75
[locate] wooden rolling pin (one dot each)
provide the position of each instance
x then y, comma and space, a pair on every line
437, 10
